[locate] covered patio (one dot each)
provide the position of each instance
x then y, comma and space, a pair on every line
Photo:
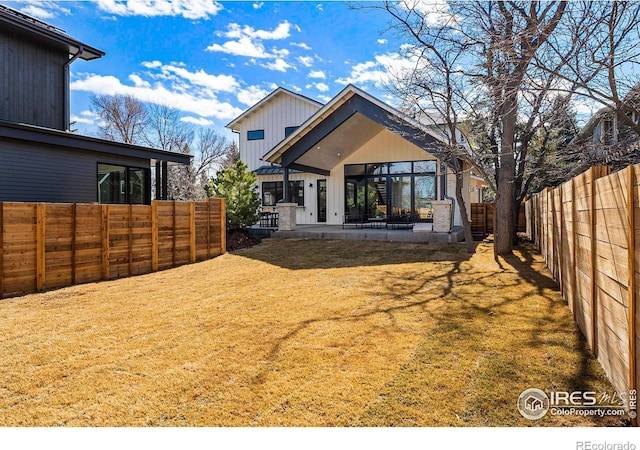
417, 234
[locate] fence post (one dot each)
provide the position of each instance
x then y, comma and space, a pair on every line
192, 232
173, 250
41, 236
1, 249
631, 267
223, 227
592, 238
209, 227
130, 239
574, 238
154, 235
105, 242
74, 231
560, 244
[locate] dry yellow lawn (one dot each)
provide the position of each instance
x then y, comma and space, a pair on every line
298, 333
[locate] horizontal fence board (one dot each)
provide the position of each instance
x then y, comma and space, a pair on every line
591, 241
79, 243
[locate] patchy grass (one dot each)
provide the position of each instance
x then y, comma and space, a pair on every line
298, 333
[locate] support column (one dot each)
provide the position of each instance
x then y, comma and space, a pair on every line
441, 216
286, 216
285, 186
165, 176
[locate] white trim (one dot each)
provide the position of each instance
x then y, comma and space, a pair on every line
337, 101
267, 99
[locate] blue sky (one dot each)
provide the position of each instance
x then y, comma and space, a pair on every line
212, 60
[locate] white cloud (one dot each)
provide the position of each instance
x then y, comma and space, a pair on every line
217, 83
379, 71
43, 10
248, 42
198, 121
324, 98
87, 117
317, 74
319, 7
189, 9
279, 64
252, 95
322, 87
382, 41
151, 64
306, 61
258, 5
37, 12
181, 92
282, 31
139, 82
301, 45
435, 12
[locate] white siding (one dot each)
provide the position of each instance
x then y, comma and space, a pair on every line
284, 110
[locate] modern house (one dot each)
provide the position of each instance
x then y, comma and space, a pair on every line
354, 158
40, 159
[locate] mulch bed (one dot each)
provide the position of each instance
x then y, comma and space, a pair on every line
237, 239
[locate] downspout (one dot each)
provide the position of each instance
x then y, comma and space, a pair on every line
67, 89
443, 193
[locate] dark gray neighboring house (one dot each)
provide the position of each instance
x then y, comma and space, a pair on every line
40, 160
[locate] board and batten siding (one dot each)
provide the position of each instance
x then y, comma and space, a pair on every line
384, 147
282, 111
31, 82
50, 174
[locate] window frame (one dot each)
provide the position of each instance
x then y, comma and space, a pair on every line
126, 188
255, 135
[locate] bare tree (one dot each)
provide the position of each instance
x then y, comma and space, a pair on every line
480, 53
123, 118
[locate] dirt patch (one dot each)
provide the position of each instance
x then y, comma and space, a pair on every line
237, 239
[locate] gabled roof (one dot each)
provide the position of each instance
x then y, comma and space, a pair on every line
17, 22
361, 116
279, 91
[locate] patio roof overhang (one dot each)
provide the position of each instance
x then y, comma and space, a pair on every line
343, 126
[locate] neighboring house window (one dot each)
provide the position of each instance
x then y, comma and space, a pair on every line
608, 132
289, 130
255, 135
124, 185
272, 192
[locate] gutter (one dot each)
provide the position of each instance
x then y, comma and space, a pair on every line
67, 89
443, 194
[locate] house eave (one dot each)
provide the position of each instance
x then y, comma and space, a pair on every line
63, 139
18, 22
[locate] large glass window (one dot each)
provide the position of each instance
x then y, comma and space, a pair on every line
391, 189
272, 192
121, 184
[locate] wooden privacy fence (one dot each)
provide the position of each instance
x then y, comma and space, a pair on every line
50, 245
482, 220
588, 231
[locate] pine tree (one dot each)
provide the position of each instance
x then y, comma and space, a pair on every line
237, 187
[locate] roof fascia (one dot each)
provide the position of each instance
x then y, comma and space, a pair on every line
56, 138
267, 99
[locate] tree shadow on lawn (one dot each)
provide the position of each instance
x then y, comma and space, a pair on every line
305, 254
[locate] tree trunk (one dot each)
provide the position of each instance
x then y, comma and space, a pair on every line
468, 235
504, 232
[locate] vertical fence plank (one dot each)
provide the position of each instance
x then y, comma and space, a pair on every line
105, 241
223, 226
41, 241
173, 249
209, 228
592, 238
631, 247
130, 240
154, 235
192, 231
574, 238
